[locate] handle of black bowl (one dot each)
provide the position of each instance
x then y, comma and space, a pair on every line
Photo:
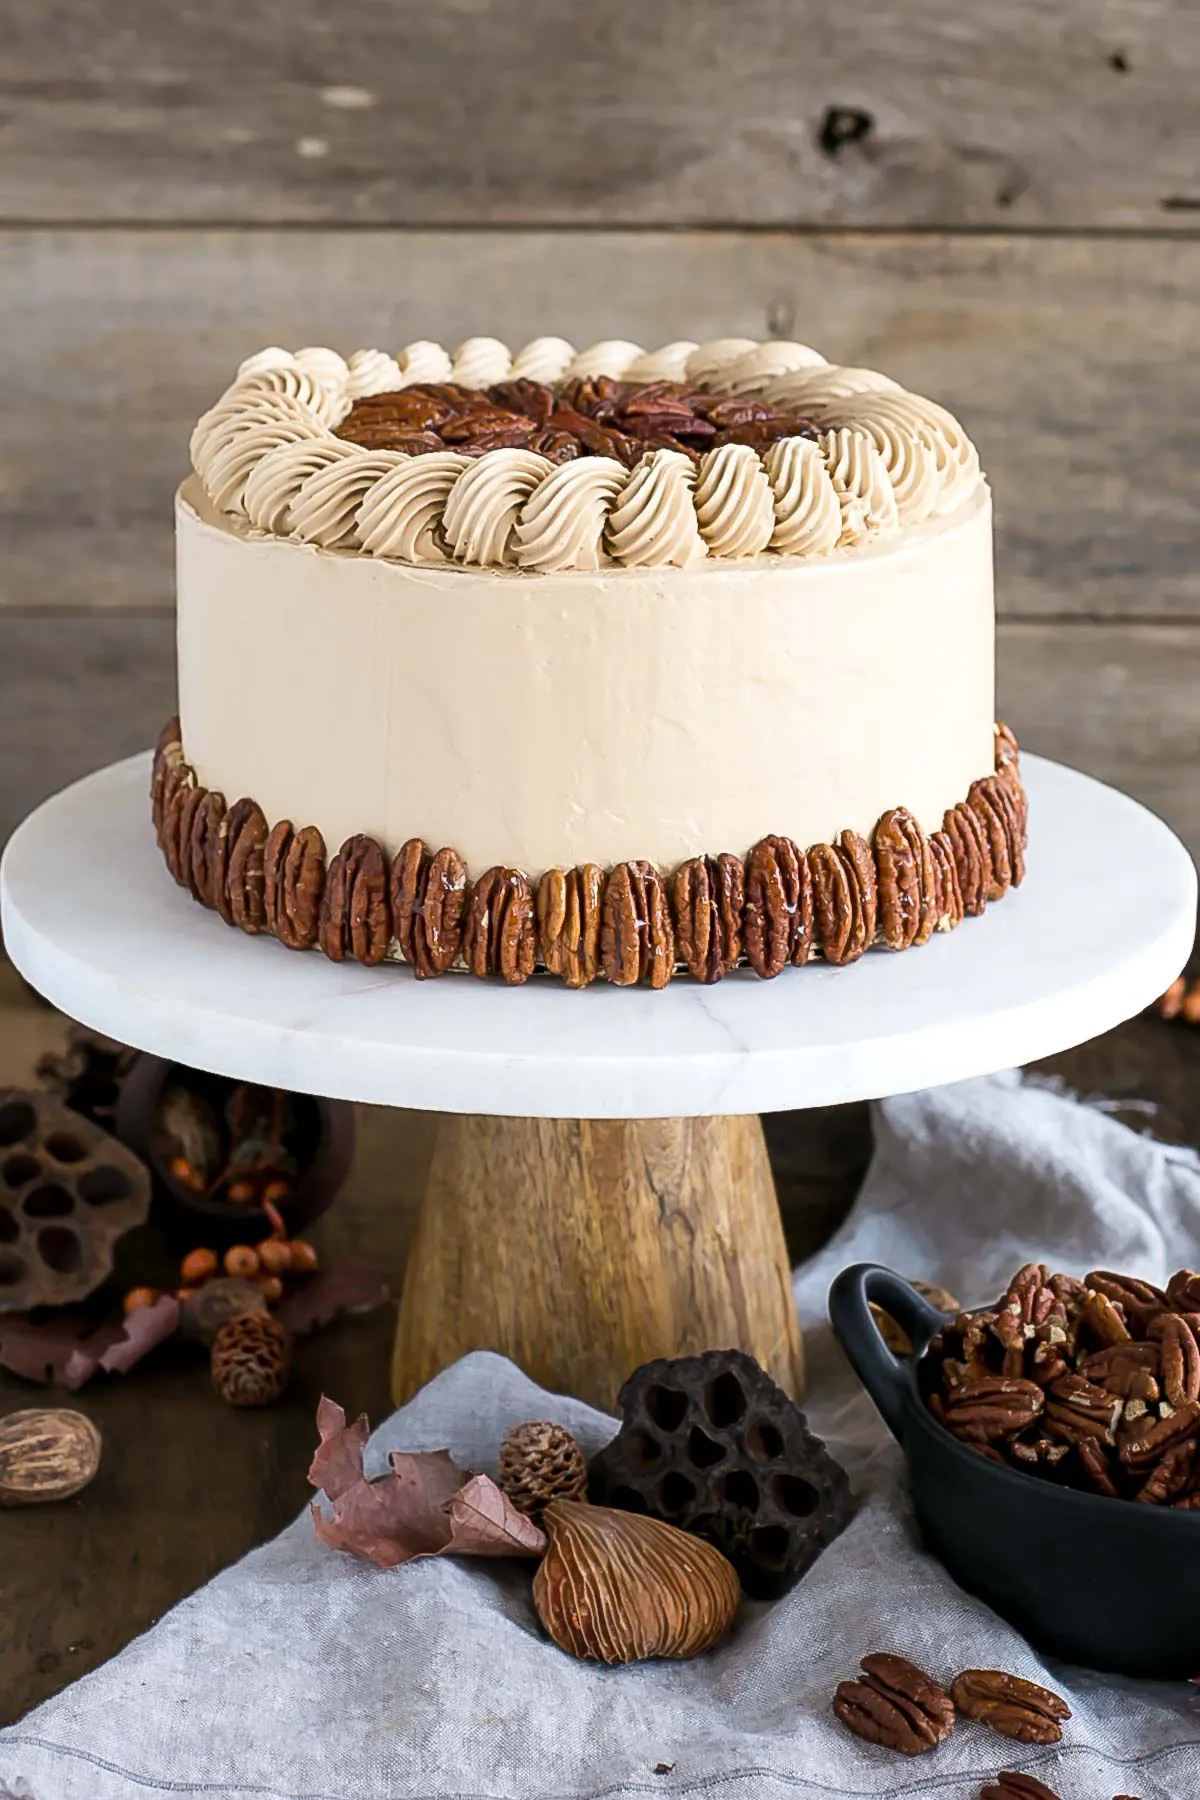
856, 1331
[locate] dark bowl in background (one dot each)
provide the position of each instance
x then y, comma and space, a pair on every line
324, 1145
1110, 1584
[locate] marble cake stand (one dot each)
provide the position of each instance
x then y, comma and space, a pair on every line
599, 1191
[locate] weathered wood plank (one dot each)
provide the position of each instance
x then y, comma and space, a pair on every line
76, 692
526, 111
1072, 362
1116, 699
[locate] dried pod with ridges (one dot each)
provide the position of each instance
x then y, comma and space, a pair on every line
46, 1453
709, 894
616, 1587
568, 920
499, 931
778, 917
355, 918
637, 938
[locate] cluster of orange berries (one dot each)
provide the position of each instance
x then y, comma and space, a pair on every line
243, 1190
265, 1265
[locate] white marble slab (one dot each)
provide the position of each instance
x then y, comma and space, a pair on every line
1102, 924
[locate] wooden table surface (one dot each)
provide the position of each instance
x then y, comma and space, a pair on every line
187, 1485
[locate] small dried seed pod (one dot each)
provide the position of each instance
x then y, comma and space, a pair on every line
540, 1462
251, 1360
46, 1454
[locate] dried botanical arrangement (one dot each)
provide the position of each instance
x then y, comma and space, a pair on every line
69, 1190
614, 1583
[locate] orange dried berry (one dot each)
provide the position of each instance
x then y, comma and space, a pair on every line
275, 1255
140, 1296
186, 1174
199, 1265
270, 1287
240, 1192
303, 1258
241, 1260
185, 1293
275, 1191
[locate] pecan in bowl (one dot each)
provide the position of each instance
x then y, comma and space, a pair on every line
1022, 1422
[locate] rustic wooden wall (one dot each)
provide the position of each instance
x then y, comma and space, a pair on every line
1001, 206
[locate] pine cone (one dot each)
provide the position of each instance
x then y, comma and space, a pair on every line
251, 1360
540, 1462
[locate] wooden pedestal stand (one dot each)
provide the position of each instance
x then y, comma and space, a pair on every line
581, 1248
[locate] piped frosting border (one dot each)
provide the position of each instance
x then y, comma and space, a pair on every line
882, 459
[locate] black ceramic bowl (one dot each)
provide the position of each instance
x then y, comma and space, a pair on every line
1106, 1583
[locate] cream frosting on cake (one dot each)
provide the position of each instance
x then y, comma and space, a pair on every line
549, 651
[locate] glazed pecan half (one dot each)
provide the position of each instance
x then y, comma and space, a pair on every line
845, 897
204, 848
568, 919
355, 915
908, 891
1011, 1705
499, 932
709, 894
972, 857
294, 882
241, 840
895, 1704
637, 938
778, 919
429, 902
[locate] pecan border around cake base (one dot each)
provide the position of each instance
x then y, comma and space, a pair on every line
632, 925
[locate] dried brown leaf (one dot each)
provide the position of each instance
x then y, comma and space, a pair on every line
424, 1506
344, 1288
484, 1522
63, 1352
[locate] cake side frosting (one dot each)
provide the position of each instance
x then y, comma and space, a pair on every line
698, 442
655, 712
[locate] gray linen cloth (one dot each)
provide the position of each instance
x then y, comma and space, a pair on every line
303, 1674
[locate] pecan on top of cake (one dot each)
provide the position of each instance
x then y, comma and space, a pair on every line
611, 456
589, 416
